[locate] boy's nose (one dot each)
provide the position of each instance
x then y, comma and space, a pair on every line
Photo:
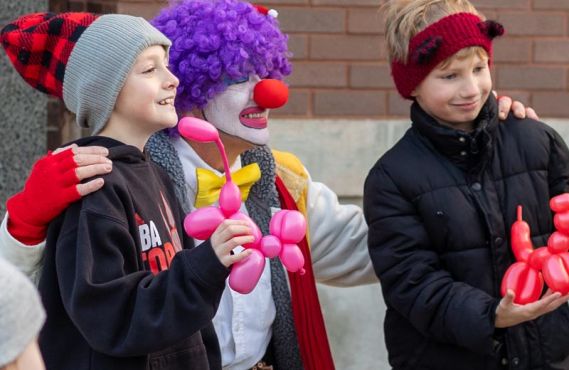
171, 80
471, 87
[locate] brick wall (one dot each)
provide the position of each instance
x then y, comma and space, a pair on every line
340, 67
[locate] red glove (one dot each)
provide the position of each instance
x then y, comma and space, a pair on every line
50, 189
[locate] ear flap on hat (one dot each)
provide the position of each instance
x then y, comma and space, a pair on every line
425, 52
492, 29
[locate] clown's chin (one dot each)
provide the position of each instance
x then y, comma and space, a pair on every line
247, 138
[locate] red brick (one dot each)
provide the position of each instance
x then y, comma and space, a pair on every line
349, 103
298, 45
109, 8
347, 47
297, 105
318, 75
368, 21
75, 6
501, 4
533, 23
551, 4
397, 106
514, 77
94, 7
142, 9
512, 50
522, 96
349, 3
489, 14
312, 20
283, 2
556, 51
551, 104
374, 76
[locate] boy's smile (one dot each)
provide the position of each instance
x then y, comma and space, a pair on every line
169, 101
455, 94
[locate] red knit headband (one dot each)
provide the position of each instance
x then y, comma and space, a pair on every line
439, 41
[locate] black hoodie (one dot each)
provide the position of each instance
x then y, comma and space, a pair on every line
123, 286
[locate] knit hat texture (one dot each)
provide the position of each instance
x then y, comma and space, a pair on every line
81, 57
21, 313
438, 42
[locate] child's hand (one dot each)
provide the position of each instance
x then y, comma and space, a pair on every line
228, 235
509, 313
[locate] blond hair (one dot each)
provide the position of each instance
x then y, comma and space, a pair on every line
406, 18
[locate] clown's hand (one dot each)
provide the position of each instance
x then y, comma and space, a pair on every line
53, 184
505, 104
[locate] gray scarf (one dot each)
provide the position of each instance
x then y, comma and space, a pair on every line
263, 196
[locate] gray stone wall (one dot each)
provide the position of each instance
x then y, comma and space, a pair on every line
23, 112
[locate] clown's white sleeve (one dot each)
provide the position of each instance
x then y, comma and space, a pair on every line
338, 239
27, 258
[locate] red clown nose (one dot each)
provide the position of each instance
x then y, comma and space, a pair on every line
270, 94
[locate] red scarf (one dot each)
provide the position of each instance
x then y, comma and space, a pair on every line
308, 320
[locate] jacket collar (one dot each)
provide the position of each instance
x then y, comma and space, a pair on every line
469, 151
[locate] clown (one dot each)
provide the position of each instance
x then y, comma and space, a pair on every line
230, 58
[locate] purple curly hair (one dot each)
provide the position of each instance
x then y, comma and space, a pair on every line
216, 41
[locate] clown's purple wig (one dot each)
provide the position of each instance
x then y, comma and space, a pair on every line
216, 41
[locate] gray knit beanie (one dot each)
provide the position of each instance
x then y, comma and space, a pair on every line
100, 62
21, 313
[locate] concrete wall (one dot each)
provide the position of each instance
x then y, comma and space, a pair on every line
23, 112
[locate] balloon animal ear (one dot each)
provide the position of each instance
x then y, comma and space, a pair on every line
491, 29
425, 52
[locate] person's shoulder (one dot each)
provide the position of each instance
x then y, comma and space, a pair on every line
526, 131
513, 124
403, 163
287, 159
406, 150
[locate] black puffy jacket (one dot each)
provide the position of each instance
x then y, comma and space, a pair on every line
439, 206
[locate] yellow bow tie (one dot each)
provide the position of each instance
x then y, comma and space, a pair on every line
209, 183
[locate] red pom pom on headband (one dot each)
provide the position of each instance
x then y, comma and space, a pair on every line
439, 41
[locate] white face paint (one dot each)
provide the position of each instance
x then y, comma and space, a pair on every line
235, 112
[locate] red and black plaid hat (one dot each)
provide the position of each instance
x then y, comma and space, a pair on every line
39, 46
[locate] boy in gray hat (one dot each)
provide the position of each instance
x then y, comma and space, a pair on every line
122, 285
21, 318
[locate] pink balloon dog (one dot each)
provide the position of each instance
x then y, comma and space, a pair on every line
287, 228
